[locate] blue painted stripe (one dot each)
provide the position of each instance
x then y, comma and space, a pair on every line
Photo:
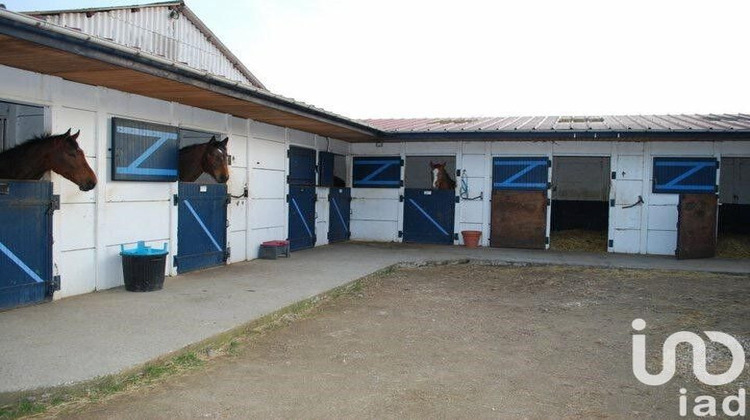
424, 213
522, 172
302, 217
520, 162
202, 225
34, 276
341, 217
377, 162
686, 174
377, 172
539, 185
686, 187
377, 182
685, 163
134, 167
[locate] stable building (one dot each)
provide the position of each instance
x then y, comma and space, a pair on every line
141, 82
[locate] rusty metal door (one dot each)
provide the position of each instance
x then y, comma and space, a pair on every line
696, 226
519, 219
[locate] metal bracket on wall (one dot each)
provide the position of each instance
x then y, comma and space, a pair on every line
458, 199
455, 236
227, 254
400, 233
400, 198
54, 285
175, 200
612, 202
54, 203
611, 243
614, 175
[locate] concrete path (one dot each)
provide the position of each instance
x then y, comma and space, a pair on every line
81, 338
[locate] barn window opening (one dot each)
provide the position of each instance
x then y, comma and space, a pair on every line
418, 173
19, 123
733, 239
580, 203
193, 137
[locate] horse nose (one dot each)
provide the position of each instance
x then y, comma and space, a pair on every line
88, 186
223, 178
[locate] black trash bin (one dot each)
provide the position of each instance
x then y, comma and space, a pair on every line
143, 267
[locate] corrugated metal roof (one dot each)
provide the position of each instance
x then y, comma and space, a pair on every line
157, 28
568, 124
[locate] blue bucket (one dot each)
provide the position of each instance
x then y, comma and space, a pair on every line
141, 250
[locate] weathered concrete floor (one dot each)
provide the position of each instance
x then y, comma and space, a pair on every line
84, 337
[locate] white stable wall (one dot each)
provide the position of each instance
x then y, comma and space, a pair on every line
90, 226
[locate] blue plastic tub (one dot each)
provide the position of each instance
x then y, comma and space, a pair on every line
143, 267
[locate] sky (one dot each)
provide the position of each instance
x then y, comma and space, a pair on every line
470, 58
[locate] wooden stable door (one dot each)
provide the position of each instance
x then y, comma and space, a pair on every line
696, 226
519, 219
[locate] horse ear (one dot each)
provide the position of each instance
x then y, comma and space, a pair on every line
444, 163
224, 142
213, 140
74, 137
67, 133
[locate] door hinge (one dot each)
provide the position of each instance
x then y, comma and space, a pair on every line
458, 172
316, 197
227, 254
54, 204
288, 152
546, 240
717, 164
458, 199
400, 233
401, 183
315, 239
611, 243
287, 198
174, 261
401, 162
400, 198
614, 175
549, 202
54, 284
228, 199
549, 185
455, 236
175, 200
612, 202
549, 163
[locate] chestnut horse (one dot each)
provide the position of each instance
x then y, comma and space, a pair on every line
440, 178
211, 158
60, 154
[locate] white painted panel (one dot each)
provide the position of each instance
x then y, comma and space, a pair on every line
695, 148
474, 164
267, 213
518, 148
474, 147
321, 206
267, 154
112, 262
267, 131
75, 119
630, 148
75, 226
321, 233
735, 148
338, 146
237, 215
238, 126
267, 184
472, 211
629, 167
375, 209
237, 181
200, 119
374, 230
237, 243
77, 95
627, 241
431, 148
662, 199
76, 272
629, 218
376, 193
258, 236
16, 84
136, 221
627, 192
662, 218
70, 192
237, 148
135, 106
582, 148
138, 191
301, 138
364, 149
661, 242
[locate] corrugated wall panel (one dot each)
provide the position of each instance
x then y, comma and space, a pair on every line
152, 30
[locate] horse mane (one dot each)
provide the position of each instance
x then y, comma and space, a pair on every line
34, 141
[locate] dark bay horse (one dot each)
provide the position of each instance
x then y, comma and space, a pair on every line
211, 158
440, 178
60, 154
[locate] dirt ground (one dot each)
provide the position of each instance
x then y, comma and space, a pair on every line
463, 341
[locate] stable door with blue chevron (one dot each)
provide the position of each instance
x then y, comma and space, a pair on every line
201, 226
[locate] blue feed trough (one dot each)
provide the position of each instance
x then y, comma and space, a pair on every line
141, 250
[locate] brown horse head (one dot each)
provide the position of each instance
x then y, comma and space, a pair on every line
215, 160
69, 161
440, 178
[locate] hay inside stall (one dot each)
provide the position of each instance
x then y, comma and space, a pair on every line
579, 240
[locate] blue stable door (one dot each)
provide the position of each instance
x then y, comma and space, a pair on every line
301, 217
339, 200
429, 216
201, 226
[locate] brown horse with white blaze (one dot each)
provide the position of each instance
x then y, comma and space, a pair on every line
211, 158
440, 178
60, 154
